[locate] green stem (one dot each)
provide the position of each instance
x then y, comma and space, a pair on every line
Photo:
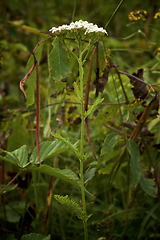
80, 62
82, 106
34, 173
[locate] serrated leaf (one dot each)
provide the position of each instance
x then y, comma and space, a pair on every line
35, 236
11, 159
69, 144
64, 174
31, 81
73, 206
135, 161
17, 157
59, 62
109, 143
107, 169
48, 149
148, 185
93, 107
109, 156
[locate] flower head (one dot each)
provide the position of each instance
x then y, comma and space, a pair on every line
138, 15
79, 28
157, 15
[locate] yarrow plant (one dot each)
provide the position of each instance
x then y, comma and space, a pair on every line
80, 31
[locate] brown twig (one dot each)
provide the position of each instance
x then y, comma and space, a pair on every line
86, 101
10, 182
37, 108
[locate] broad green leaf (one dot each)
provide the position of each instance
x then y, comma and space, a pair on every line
17, 157
148, 185
135, 161
31, 81
89, 174
60, 85
107, 115
93, 107
69, 144
10, 159
35, 236
14, 211
107, 169
59, 62
65, 174
72, 206
19, 134
48, 149
109, 156
109, 143
21, 155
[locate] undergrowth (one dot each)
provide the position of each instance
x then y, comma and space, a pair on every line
80, 145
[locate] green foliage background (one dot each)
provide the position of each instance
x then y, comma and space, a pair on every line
133, 45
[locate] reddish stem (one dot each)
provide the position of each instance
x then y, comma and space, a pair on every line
89, 139
86, 101
10, 182
38, 108
30, 71
23, 81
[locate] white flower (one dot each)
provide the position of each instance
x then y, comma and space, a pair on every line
79, 27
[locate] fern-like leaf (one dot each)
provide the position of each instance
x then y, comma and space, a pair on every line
73, 206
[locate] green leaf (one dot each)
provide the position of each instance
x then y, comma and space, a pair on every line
73, 206
58, 61
77, 91
10, 159
93, 107
69, 144
14, 211
60, 85
148, 215
31, 81
19, 134
148, 185
35, 236
65, 174
89, 175
9, 188
17, 157
135, 161
107, 115
107, 169
109, 156
48, 149
109, 143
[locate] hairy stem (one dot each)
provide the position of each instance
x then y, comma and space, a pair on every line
80, 62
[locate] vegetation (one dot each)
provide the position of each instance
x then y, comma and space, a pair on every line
79, 123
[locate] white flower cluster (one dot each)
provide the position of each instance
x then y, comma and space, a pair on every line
79, 27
